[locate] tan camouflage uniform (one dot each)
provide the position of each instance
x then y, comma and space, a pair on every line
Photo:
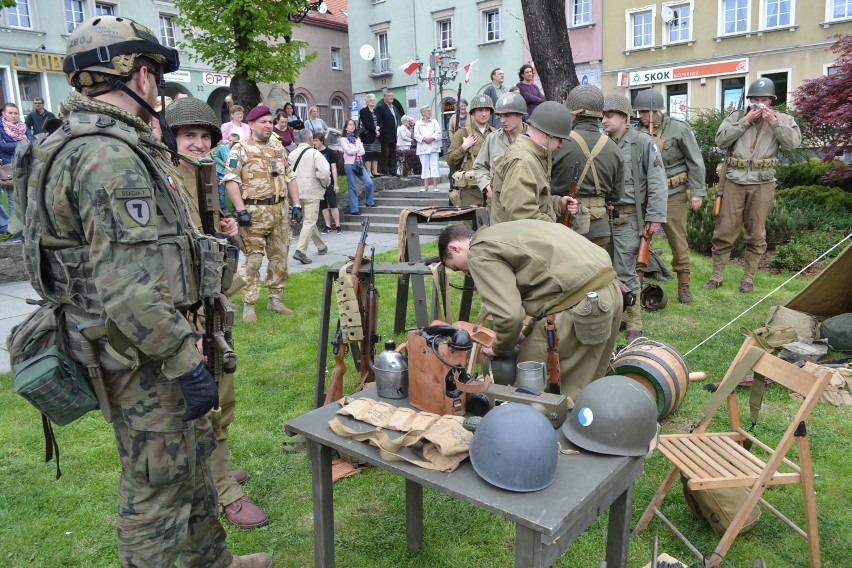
263, 172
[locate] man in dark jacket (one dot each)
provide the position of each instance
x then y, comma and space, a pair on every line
35, 120
386, 114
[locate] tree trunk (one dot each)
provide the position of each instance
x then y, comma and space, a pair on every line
550, 46
244, 92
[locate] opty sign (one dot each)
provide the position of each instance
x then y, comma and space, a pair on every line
668, 74
217, 79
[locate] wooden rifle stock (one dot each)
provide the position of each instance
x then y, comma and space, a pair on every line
368, 344
644, 256
720, 188
356, 286
335, 386
552, 354
567, 216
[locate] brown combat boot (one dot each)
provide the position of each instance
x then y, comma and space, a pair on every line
277, 306
245, 514
248, 313
684, 296
256, 560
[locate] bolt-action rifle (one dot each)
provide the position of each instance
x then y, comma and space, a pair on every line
368, 344
335, 386
567, 216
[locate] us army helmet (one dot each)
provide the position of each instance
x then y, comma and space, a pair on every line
551, 118
107, 46
190, 111
617, 103
763, 87
649, 99
511, 102
585, 100
481, 101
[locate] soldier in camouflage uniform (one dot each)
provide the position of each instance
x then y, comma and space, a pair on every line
196, 131
116, 227
511, 109
259, 178
598, 162
643, 206
685, 171
464, 148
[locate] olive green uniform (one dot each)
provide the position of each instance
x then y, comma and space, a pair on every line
263, 172
122, 255
521, 185
645, 184
486, 160
749, 186
534, 268
603, 183
459, 159
685, 171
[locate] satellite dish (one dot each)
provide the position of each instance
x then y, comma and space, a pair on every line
667, 14
322, 8
367, 52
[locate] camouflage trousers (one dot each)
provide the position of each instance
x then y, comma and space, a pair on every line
166, 497
227, 487
268, 234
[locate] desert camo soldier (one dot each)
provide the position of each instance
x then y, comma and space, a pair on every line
597, 161
196, 130
643, 203
258, 179
103, 236
464, 148
685, 172
754, 137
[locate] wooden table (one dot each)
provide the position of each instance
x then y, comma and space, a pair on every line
546, 521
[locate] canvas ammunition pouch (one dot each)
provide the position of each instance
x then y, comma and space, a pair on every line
351, 326
719, 506
464, 179
742, 164
677, 180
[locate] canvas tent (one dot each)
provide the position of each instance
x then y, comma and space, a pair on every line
830, 293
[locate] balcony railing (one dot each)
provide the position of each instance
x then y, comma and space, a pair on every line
381, 65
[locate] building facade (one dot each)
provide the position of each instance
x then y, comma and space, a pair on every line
704, 54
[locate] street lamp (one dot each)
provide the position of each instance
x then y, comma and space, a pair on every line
441, 71
297, 18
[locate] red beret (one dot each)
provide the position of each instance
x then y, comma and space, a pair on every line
257, 112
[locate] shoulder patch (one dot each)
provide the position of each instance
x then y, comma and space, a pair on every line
654, 147
138, 210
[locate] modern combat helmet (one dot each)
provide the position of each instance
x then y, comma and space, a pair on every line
481, 101
649, 99
614, 415
585, 100
617, 103
190, 111
511, 102
515, 448
763, 87
551, 118
107, 46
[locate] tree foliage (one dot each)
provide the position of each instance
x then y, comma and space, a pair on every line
550, 46
250, 39
825, 106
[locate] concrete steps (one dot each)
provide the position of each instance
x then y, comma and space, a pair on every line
384, 218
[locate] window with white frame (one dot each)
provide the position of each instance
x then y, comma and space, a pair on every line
679, 28
337, 117
641, 29
73, 14
299, 55
444, 31
381, 64
301, 104
167, 30
336, 58
491, 24
19, 15
778, 13
841, 9
735, 16
104, 9
581, 13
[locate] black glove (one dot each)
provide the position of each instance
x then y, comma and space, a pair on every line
296, 214
199, 392
244, 218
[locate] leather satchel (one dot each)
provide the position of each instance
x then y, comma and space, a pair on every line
6, 177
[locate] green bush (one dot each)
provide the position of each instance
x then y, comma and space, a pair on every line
705, 123
809, 172
820, 199
807, 246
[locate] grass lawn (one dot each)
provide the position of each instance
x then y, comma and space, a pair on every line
71, 522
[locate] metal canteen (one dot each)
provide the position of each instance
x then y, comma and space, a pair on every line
531, 374
391, 372
503, 367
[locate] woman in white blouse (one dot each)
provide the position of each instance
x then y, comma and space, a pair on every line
427, 132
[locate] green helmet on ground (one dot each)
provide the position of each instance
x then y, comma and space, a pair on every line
189, 111
585, 100
653, 297
763, 87
511, 102
617, 103
551, 118
649, 99
481, 101
108, 46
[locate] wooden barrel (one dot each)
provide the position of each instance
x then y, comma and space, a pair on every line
658, 367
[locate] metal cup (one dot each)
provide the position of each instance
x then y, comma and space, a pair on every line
531, 374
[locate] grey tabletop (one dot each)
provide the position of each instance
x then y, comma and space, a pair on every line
582, 480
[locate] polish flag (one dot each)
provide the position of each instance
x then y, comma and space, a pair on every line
429, 78
467, 69
410, 67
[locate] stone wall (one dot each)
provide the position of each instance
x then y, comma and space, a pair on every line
12, 263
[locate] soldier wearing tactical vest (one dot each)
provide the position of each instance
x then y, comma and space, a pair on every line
643, 205
685, 171
521, 183
752, 138
464, 149
510, 108
537, 268
117, 266
597, 161
196, 131
259, 179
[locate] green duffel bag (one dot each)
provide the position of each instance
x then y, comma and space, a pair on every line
838, 331
55, 385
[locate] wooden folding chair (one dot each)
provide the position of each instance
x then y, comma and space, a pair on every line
721, 459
